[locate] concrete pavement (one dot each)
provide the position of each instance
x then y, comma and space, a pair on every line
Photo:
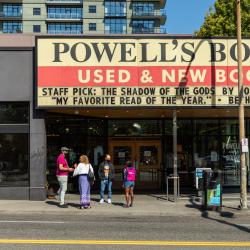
153, 205
40, 225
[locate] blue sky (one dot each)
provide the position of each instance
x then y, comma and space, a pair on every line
186, 16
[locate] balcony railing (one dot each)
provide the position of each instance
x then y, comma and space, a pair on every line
115, 14
65, 32
149, 31
64, 1
149, 13
10, 14
64, 16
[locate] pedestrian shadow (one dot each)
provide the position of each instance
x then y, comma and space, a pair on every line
224, 214
95, 200
75, 205
119, 204
52, 203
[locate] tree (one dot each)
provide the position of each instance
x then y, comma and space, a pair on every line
221, 20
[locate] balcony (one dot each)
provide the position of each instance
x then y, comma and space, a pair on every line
64, 32
63, 16
64, 2
10, 15
152, 14
115, 14
144, 30
162, 2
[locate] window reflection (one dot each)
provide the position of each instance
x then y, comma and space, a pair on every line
14, 160
14, 113
134, 127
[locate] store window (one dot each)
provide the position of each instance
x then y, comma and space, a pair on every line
134, 128
82, 136
14, 144
14, 113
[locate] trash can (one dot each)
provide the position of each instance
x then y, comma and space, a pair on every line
212, 190
199, 185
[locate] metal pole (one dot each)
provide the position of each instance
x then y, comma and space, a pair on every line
243, 186
175, 153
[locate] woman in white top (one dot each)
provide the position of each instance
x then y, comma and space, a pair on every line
82, 170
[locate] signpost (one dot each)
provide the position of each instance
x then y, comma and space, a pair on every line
243, 169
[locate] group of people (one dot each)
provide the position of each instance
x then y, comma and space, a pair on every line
86, 178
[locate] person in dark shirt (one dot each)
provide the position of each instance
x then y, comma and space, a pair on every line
106, 174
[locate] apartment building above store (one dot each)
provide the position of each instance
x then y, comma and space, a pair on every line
83, 17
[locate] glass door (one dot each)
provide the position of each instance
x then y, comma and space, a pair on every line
148, 162
146, 157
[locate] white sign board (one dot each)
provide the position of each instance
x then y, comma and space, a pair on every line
244, 145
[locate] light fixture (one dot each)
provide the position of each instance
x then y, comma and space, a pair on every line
136, 125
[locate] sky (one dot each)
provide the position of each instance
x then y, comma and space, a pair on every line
186, 16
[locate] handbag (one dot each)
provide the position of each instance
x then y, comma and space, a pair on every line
91, 176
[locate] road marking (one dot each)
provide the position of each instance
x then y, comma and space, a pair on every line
32, 221
117, 242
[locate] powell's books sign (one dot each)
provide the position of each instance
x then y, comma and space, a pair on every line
156, 72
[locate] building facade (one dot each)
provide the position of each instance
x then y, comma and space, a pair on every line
44, 107
82, 16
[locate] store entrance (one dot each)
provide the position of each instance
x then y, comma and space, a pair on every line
146, 156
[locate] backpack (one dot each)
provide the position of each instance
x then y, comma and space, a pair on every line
131, 172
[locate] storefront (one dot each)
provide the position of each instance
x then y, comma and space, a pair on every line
117, 95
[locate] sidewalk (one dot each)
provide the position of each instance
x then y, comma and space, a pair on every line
145, 205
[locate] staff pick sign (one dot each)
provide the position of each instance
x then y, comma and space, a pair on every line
137, 72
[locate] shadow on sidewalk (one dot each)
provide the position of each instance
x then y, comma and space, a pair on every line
53, 203
205, 214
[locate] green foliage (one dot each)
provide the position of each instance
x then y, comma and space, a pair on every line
221, 20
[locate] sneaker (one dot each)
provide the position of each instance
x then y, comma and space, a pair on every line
63, 206
109, 201
101, 201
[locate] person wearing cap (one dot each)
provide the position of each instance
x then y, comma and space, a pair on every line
62, 171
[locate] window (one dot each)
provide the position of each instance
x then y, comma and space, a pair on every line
12, 27
65, 12
143, 26
115, 8
134, 127
14, 144
36, 11
142, 9
92, 9
36, 28
92, 26
12, 10
14, 113
65, 28
115, 26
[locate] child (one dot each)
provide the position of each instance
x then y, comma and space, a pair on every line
129, 174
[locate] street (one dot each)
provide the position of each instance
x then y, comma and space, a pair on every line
114, 227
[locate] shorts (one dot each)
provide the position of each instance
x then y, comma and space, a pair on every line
128, 184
